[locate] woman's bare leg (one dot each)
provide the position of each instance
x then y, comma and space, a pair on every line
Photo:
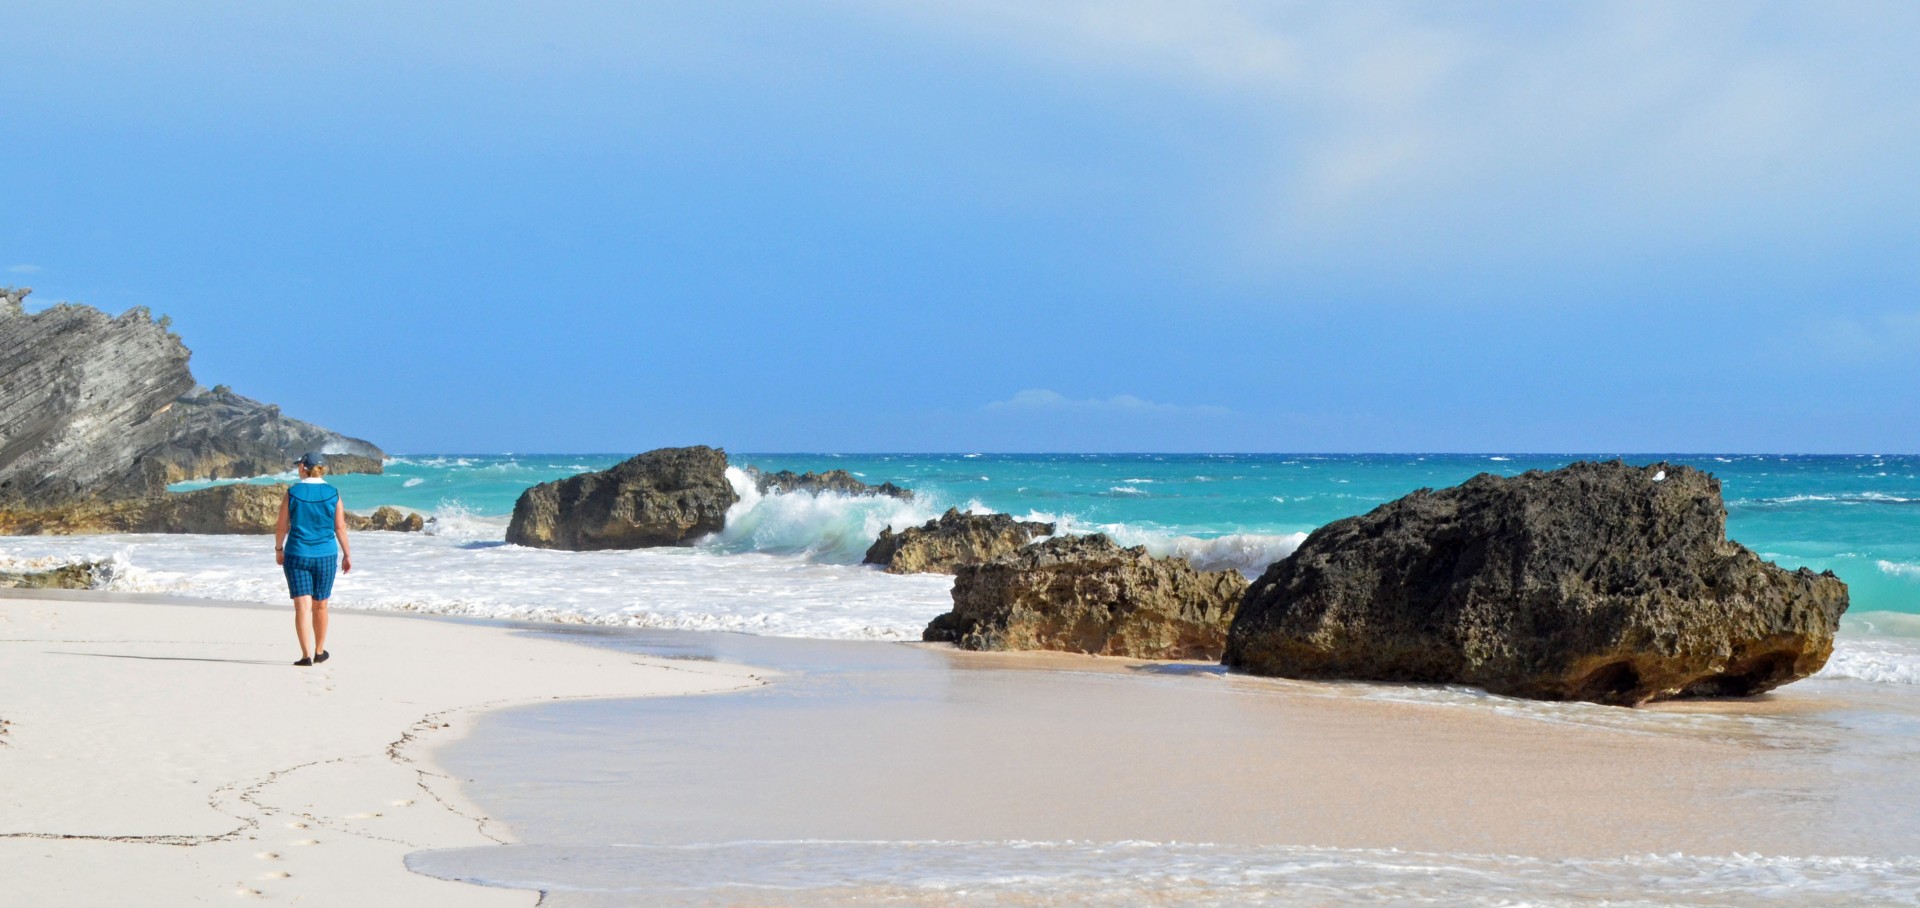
303, 624
319, 626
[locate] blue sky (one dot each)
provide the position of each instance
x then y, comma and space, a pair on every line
851, 226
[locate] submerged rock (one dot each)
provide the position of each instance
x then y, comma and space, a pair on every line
836, 481
943, 545
669, 496
77, 576
98, 408
1598, 581
1085, 594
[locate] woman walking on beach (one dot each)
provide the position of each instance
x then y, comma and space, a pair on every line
310, 538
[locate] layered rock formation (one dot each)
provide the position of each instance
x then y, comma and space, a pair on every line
669, 496
954, 539
837, 481
218, 434
225, 509
96, 408
1599, 581
78, 576
233, 509
1085, 594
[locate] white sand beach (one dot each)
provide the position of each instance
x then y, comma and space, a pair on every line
159, 753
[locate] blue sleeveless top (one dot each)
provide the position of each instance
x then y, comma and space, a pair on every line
310, 507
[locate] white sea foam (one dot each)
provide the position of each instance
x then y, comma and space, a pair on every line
827, 527
1248, 553
412, 482
1881, 660
1144, 872
1898, 569
682, 588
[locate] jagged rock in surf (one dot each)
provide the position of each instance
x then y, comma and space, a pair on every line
836, 481
1086, 594
104, 408
944, 544
1597, 581
669, 496
77, 576
386, 518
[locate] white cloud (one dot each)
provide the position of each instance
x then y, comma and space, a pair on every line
1040, 400
1397, 129
24, 269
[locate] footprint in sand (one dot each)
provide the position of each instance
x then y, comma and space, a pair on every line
361, 816
296, 825
308, 842
268, 855
275, 875
246, 893
402, 803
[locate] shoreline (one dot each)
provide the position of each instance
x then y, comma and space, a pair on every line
161, 750
913, 774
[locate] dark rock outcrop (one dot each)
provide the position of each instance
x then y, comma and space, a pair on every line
1598, 581
943, 545
1085, 594
94, 407
218, 434
670, 496
837, 481
77, 576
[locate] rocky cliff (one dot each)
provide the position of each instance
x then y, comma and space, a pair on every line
1085, 594
669, 496
94, 407
943, 545
1598, 581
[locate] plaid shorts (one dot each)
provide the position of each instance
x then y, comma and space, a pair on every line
310, 576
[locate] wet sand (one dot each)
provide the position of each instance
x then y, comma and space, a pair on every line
865, 744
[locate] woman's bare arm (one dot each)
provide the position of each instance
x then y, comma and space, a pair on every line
280, 534
340, 533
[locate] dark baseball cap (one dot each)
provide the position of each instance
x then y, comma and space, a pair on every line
313, 459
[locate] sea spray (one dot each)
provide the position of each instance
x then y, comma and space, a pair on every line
828, 527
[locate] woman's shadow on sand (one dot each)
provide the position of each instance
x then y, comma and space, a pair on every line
166, 658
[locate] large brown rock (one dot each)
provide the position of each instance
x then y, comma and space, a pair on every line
1598, 581
670, 496
96, 407
1085, 594
954, 539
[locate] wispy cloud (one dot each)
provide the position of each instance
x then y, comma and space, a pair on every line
24, 269
1854, 339
1040, 400
1418, 127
